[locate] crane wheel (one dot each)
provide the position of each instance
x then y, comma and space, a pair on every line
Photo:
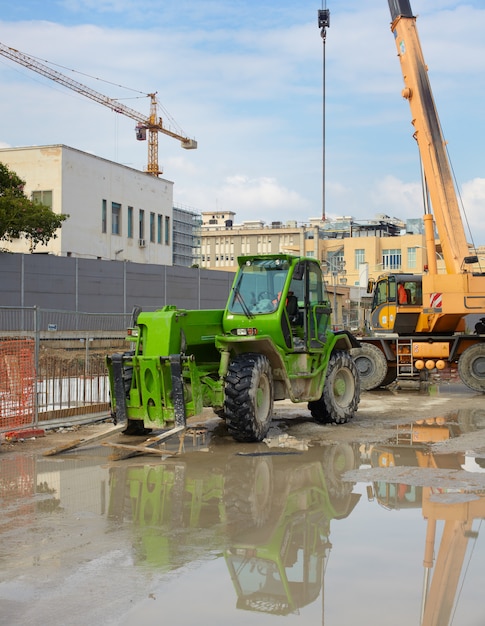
371, 365
471, 367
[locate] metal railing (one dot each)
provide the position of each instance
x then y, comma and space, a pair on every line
52, 365
35, 319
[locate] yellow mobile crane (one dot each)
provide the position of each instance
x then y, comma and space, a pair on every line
418, 321
151, 123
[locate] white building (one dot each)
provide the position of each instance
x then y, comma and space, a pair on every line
116, 212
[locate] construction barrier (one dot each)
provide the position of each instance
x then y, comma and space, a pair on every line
17, 383
52, 372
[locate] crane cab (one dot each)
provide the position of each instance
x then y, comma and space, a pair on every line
397, 303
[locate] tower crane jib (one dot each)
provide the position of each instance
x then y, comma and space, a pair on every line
152, 123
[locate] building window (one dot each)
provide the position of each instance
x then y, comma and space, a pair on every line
103, 217
115, 218
167, 230
411, 258
42, 197
359, 257
152, 227
391, 259
159, 228
130, 222
141, 224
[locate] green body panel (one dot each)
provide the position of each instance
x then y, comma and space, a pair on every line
171, 331
255, 320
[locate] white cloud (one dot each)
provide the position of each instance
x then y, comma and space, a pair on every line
397, 198
246, 82
250, 198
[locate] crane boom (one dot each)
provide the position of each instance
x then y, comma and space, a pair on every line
152, 123
430, 140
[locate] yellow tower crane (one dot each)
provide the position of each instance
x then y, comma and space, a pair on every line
153, 124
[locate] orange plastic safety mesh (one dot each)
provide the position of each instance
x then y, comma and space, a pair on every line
17, 383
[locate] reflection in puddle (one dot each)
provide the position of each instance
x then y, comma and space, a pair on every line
452, 502
269, 514
214, 534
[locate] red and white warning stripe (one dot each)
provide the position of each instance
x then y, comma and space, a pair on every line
436, 300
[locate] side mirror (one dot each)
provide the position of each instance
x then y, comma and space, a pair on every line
134, 314
370, 286
299, 271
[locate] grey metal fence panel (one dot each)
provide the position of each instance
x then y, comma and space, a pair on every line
48, 283
214, 288
183, 289
99, 286
145, 286
11, 279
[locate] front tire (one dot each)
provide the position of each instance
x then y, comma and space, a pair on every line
371, 365
341, 391
248, 402
471, 367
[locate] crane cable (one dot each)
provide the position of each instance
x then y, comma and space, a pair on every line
102, 80
323, 23
174, 125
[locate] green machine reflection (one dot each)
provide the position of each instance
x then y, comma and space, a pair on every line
268, 514
445, 497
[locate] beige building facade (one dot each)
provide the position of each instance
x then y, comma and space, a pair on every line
355, 251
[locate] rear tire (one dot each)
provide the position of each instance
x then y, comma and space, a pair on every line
371, 365
248, 401
341, 391
471, 367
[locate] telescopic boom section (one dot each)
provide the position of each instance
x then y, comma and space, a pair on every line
430, 140
152, 123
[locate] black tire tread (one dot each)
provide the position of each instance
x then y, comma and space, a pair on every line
327, 410
245, 371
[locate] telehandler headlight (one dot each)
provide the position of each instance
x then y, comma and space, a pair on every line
245, 332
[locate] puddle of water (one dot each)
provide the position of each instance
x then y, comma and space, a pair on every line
335, 534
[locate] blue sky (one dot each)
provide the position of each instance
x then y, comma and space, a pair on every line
245, 80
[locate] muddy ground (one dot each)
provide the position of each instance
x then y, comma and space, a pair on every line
380, 413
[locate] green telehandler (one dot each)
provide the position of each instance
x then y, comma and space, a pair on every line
273, 341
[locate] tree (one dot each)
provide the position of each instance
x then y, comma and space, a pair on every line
20, 217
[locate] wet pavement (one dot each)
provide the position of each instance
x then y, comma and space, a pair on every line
373, 522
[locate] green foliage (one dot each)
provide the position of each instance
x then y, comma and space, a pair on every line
20, 217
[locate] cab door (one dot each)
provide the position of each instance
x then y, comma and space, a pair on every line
383, 313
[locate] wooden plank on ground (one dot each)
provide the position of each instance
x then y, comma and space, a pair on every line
126, 450
85, 441
138, 449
